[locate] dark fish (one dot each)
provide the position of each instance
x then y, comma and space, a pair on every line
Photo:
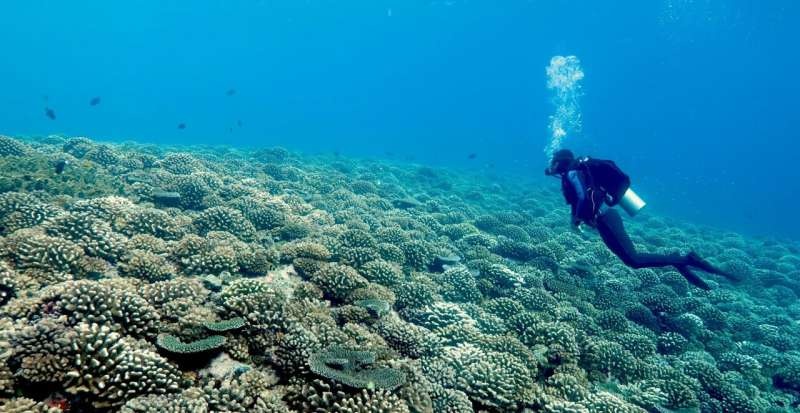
239, 123
472, 156
230, 92
50, 113
181, 126
60, 165
95, 101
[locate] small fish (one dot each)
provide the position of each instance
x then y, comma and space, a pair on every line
230, 92
50, 113
95, 101
239, 123
59, 165
181, 126
472, 156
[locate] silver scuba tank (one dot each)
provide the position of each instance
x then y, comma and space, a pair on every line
631, 202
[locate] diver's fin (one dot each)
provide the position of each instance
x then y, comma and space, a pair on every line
692, 277
697, 261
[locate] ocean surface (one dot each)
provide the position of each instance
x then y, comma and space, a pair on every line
339, 206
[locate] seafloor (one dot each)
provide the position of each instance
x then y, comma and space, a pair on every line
155, 279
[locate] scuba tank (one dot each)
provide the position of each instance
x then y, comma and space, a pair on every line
631, 202
607, 176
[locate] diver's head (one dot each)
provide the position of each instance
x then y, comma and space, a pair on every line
560, 163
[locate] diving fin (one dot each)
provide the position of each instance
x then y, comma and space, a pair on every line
697, 261
693, 278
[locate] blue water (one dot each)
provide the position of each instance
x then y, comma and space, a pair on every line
697, 100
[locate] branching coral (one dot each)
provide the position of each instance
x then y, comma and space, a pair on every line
196, 255
27, 216
224, 219
391, 253
12, 147
32, 249
256, 301
338, 281
26, 405
86, 301
294, 350
413, 295
459, 284
163, 292
264, 215
95, 236
304, 249
147, 266
417, 254
111, 369
611, 359
103, 155
408, 339
171, 403
438, 315
378, 401
497, 380
40, 351
152, 222
180, 163
382, 272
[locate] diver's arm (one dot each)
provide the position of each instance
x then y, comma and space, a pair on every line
580, 204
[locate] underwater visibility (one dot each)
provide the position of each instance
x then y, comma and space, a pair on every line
276, 206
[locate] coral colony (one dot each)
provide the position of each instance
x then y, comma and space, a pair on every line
165, 279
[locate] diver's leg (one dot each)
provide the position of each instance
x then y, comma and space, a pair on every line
609, 225
612, 231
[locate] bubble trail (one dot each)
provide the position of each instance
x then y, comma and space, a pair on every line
564, 77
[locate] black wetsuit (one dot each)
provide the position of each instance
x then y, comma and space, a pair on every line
588, 206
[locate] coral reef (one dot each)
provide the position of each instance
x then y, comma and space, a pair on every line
149, 279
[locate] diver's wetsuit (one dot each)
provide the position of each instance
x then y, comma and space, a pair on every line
588, 205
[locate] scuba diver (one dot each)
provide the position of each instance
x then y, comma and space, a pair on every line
592, 187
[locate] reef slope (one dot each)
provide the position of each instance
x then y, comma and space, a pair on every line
149, 278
